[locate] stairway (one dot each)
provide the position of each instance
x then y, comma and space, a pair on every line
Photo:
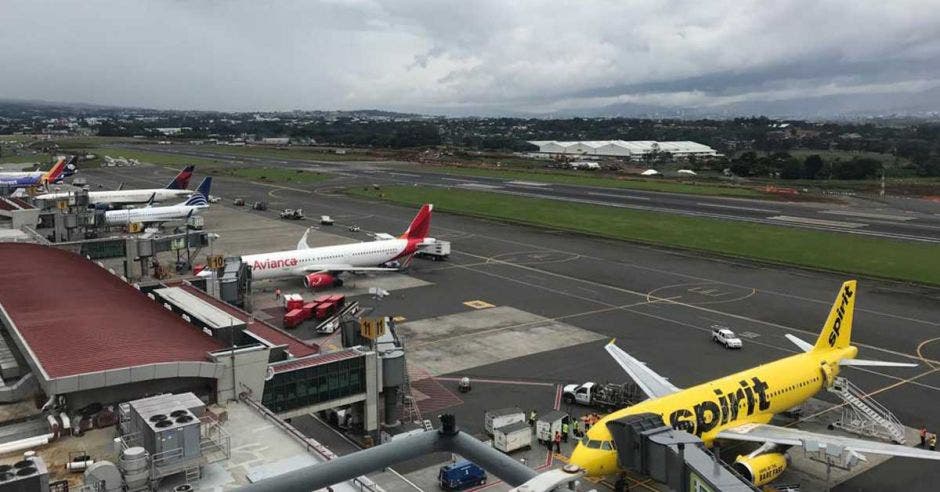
863, 415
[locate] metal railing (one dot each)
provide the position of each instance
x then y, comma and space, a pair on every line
863, 415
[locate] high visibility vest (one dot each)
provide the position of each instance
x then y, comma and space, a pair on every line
564, 428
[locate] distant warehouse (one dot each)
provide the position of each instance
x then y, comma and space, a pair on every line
635, 149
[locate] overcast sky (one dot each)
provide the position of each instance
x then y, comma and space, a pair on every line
464, 57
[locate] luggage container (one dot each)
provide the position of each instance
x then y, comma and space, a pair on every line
309, 309
508, 438
501, 417
293, 318
324, 310
338, 300
547, 425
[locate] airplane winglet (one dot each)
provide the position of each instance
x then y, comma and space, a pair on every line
613, 341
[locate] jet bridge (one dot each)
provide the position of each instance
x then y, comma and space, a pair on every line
647, 446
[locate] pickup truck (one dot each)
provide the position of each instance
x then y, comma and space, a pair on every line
605, 396
724, 336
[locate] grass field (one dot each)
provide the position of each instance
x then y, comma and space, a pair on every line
851, 254
156, 158
571, 177
273, 175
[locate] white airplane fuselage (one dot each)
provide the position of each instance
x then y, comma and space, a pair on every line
152, 214
124, 197
295, 262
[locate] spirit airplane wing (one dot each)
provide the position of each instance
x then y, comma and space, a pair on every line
794, 437
651, 383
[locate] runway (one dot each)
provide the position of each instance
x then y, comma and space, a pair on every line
658, 303
894, 220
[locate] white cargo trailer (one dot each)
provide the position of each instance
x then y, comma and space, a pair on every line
437, 251
511, 437
548, 424
493, 419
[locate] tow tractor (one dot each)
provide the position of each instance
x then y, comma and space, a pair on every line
292, 213
605, 396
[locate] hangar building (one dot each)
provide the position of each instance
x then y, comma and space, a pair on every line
635, 149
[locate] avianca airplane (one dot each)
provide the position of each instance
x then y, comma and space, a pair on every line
320, 267
196, 204
176, 189
738, 407
38, 178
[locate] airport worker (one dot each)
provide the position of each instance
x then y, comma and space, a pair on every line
923, 436
933, 442
277, 294
564, 431
533, 416
577, 428
557, 442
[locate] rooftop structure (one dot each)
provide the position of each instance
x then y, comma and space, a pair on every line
74, 320
623, 148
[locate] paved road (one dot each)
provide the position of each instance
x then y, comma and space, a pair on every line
913, 220
657, 303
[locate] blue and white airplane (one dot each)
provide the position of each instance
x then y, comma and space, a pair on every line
195, 205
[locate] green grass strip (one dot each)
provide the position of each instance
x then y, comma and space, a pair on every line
854, 254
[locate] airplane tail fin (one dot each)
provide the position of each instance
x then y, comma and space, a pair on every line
420, 225
181, 181
837, 332
54, 174
201, 196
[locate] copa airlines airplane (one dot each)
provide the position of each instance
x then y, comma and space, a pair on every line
62, 168
738, 407
320, 267
176, 189
195, 205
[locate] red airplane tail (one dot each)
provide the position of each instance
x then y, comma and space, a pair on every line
421, 225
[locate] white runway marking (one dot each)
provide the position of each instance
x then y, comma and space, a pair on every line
867, 215
406, 174
735, 207
528, 183
819, 222
480, 186
614, 195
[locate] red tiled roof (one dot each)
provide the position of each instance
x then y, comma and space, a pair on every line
296, 346
316, 360
77, 317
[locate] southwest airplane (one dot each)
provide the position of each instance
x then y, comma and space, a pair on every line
196, 204
738, 407
320, 267
59, 170
174, 190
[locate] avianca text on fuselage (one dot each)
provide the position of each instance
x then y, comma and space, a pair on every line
840, 313
726, 407
270, 264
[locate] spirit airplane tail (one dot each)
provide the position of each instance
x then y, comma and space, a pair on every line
837, 332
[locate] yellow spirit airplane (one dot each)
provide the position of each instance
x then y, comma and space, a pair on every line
739, 407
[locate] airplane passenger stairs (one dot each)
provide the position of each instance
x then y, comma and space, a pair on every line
862, 415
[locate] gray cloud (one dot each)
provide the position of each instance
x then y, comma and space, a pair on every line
467, 57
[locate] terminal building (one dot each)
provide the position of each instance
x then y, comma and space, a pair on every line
634, 150
77, 334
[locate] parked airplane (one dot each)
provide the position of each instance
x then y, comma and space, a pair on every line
175, 189
738, 407
55, 174
196, 204
320, 267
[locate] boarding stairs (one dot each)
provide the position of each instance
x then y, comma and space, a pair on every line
862, 415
